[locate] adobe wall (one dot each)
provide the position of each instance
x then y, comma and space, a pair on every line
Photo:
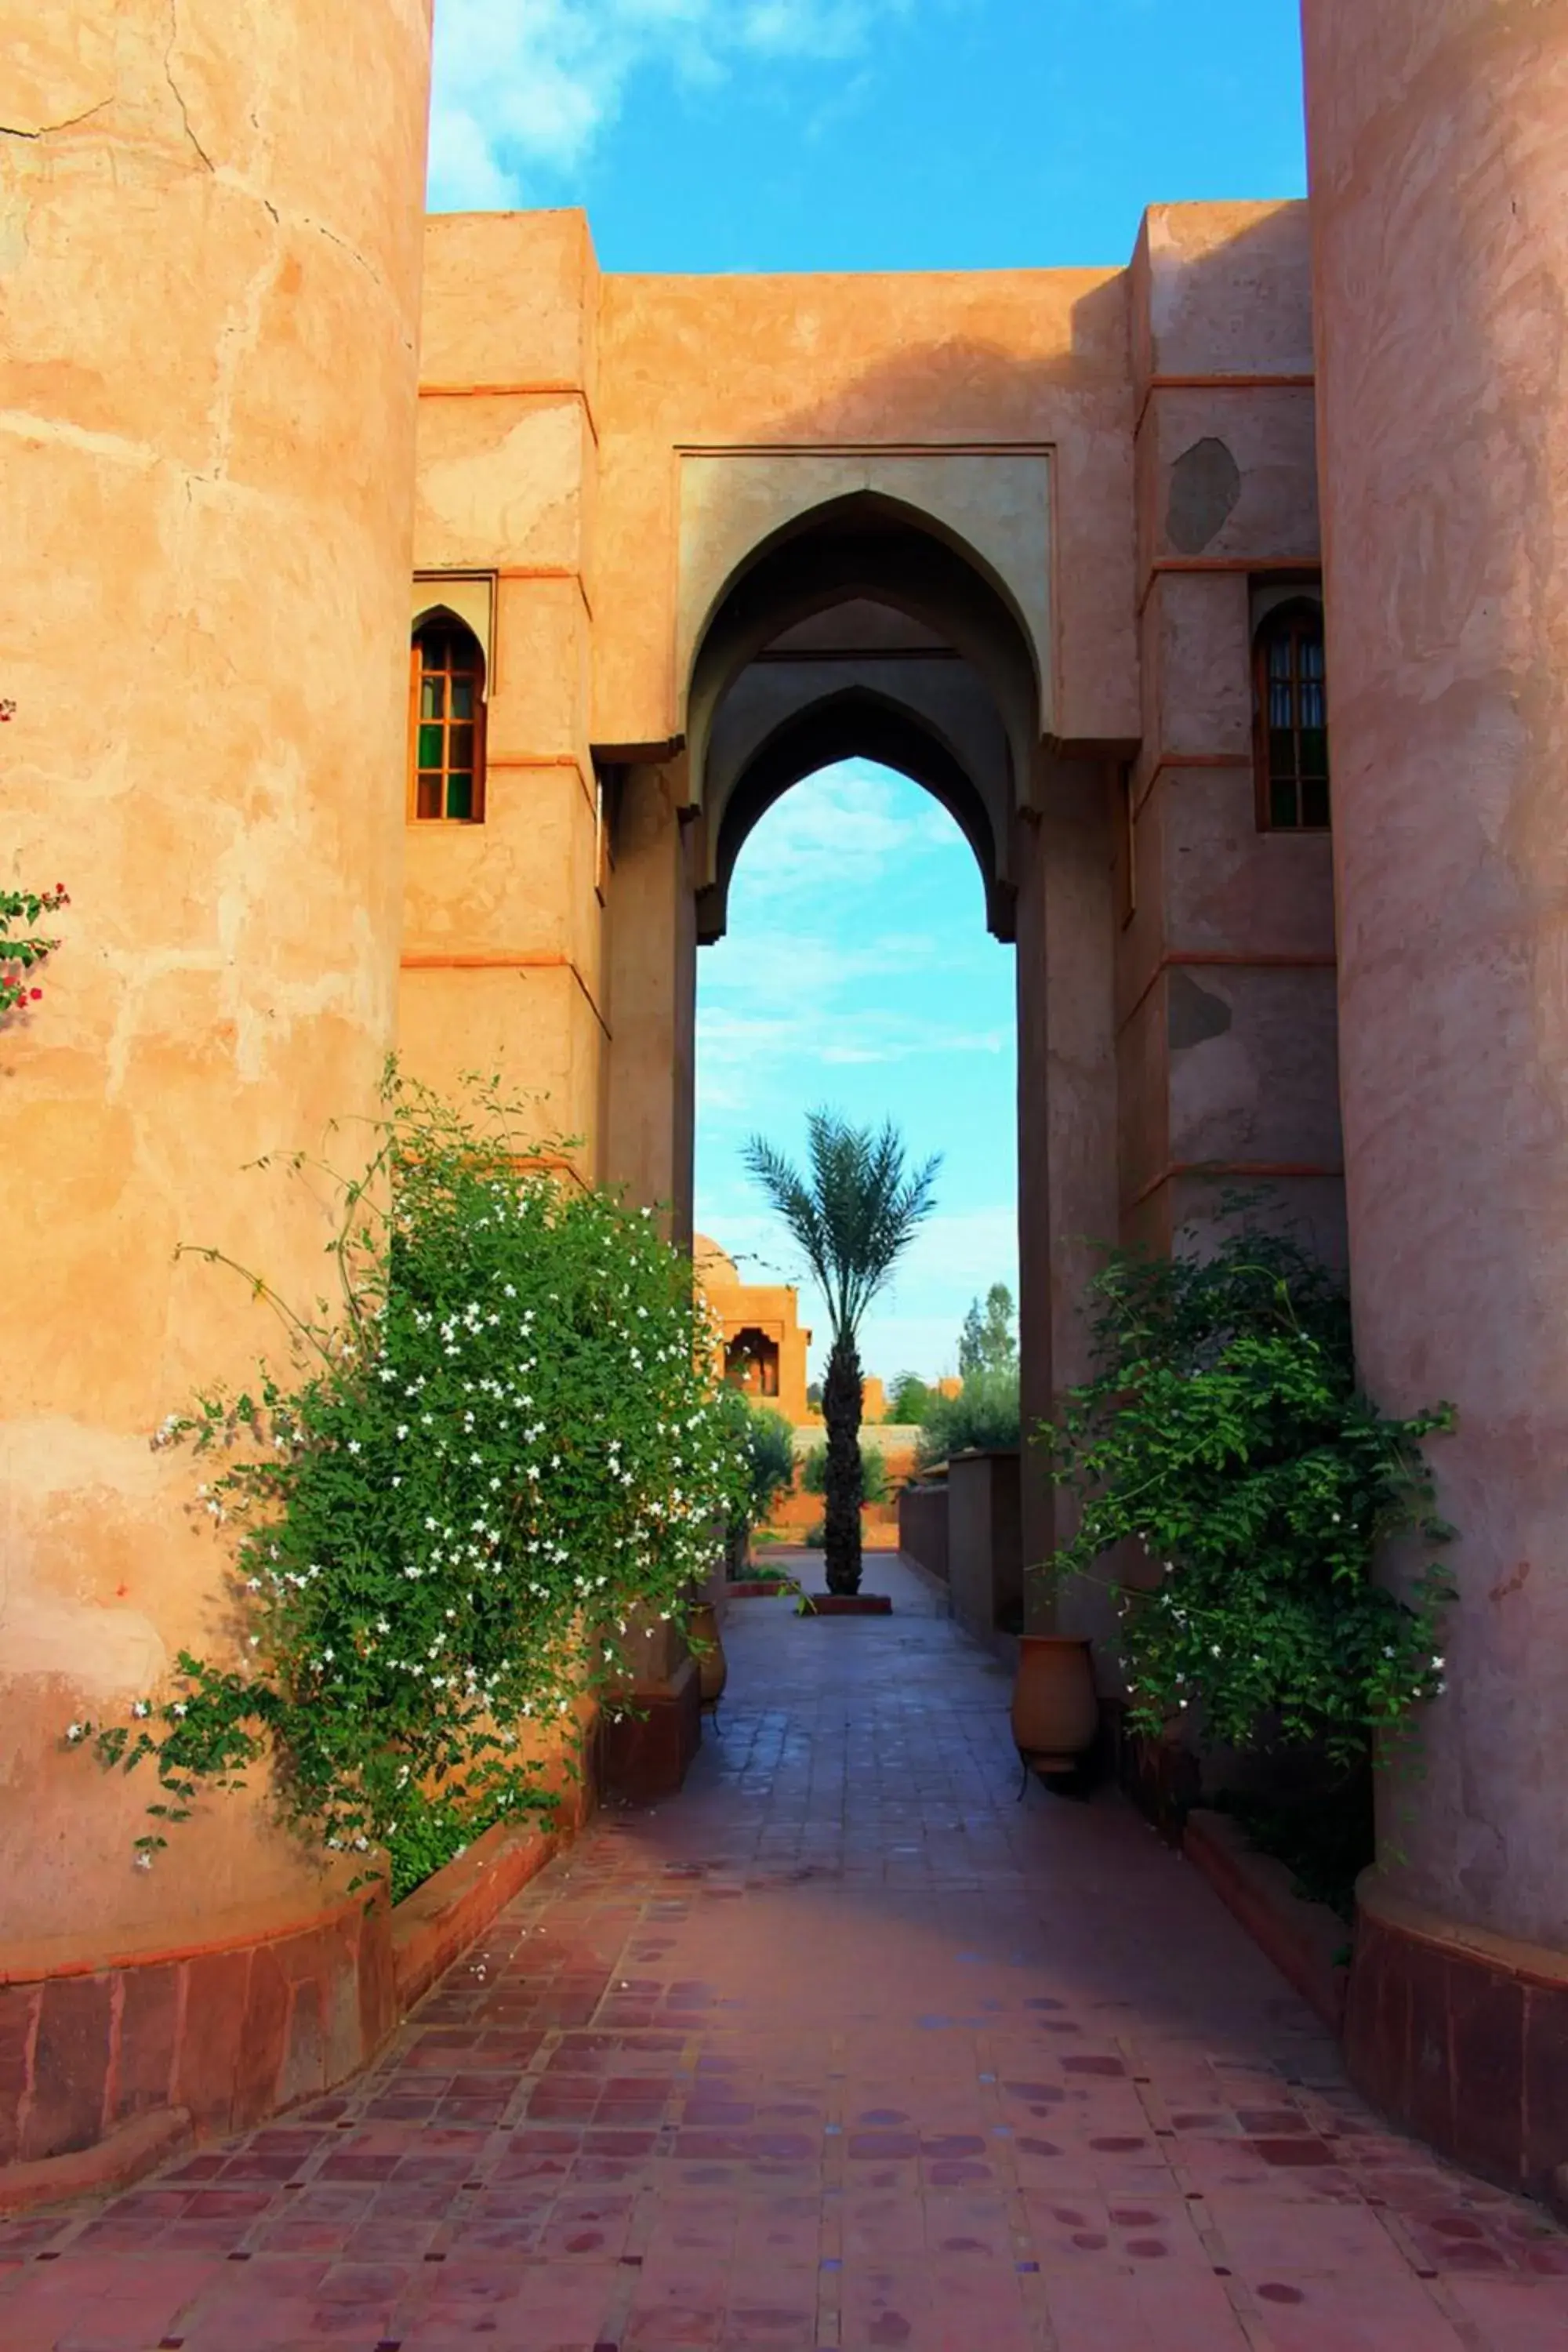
1225, 1013
208, 315
504, 958
620, 444
1444, 436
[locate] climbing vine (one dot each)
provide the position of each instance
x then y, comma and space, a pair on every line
1226, 1436
501, 1446
22, 954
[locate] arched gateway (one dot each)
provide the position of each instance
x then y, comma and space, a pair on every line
1047, 540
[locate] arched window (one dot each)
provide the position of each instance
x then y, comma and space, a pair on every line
446, 751
1291, 720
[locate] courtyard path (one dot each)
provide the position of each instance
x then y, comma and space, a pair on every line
842, 2048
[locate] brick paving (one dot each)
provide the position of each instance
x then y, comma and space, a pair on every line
842, 2048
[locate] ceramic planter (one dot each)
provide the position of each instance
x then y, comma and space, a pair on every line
707, 1648
1055, 1709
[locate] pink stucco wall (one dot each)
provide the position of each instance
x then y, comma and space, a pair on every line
1439, 164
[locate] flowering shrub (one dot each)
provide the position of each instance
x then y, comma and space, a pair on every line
1226, 1435
501, 1444
20, 957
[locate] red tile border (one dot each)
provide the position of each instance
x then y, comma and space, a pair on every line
114, 2162
1462, 2040
96, 2066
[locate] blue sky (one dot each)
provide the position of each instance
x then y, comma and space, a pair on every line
864, 134
858, 972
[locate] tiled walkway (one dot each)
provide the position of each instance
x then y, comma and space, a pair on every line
842, 2048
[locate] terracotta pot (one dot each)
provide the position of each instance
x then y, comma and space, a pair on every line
1055, 1709
712, 1665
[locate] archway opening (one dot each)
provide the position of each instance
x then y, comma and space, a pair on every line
856, 970
863, 716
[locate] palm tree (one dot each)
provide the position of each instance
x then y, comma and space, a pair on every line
852, 1217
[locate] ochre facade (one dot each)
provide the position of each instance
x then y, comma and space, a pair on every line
358, 711
759, 1341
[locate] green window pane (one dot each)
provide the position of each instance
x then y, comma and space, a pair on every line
429, 747
1282, 802
430, 694
428, 799
460, 797
462, 698
1314, 751
460, 746
1282, 756
1315, 802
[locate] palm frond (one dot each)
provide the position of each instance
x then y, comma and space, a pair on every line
853, 1214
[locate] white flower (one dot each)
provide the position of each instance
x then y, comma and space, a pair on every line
75, 1731
143, 1860
142, 1707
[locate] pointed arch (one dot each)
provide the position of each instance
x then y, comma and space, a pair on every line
858, 722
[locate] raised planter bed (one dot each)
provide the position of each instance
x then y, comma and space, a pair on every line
1304, 1940
849, 1604
455, 1905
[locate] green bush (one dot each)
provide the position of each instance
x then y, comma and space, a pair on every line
982, 1417
1225, 1435
873, 1473
910, 1402
763, 1442
770, 1457
500, 1446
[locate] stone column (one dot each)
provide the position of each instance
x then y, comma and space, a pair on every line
652, 964
1438, 135
1066, 1144
210, 230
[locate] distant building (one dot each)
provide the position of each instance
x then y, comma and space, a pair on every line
764, 1347
762, 1342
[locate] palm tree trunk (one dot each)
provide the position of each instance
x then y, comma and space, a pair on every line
841, 1411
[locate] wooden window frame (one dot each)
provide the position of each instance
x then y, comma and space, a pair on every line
452, 625
1301, 616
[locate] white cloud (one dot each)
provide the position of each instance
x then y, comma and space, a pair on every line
524, 87
728, 1040
852, 819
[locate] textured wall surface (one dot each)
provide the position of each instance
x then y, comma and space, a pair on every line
1439, 160
210, 265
